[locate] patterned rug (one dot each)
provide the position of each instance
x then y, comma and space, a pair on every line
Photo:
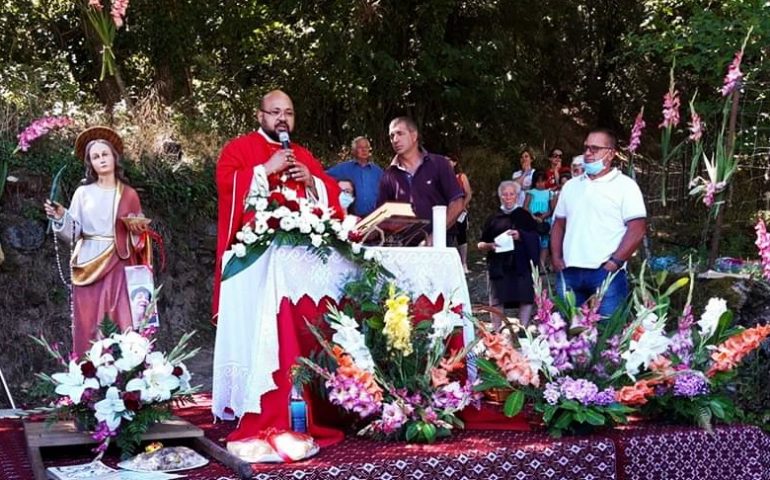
642, 452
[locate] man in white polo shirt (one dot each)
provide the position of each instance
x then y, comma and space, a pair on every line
599, 222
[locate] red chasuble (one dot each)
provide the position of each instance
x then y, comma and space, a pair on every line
235, 169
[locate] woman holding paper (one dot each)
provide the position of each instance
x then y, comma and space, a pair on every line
104, 223
512, 244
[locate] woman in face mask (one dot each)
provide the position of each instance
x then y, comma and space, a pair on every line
347, 196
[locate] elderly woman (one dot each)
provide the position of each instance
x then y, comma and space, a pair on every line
510, 270
103, 244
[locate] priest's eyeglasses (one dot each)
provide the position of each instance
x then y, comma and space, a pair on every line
277, 113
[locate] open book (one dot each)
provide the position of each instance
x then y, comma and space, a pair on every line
396, 221
99, 471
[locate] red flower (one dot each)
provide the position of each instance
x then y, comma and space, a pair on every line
355, 236
458, 309
277, 197
132, 400
88, 370
318, 212
273, 181
424, 309
292, 205
273, 223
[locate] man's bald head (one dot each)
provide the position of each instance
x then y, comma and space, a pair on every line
273, 95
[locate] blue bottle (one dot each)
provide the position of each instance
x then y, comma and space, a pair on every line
297, 411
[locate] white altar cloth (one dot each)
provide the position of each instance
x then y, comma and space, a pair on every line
246, 348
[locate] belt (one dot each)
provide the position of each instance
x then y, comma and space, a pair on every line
102, 238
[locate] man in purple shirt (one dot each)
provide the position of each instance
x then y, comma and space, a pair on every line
418, 177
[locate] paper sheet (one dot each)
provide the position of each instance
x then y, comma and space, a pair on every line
503, 242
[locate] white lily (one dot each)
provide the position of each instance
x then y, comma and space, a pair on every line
709, 321
111, 410
443, 324
157, 382
133, 350
651, 344
184, 378
73, 383
106, 371
538, 353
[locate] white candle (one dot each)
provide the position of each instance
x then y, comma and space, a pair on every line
439, 226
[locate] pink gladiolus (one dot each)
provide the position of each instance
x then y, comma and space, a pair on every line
708, 198
670, 109
696, 127
118, 11
636, 132
763, 244
39, 128
97, 4
734, 75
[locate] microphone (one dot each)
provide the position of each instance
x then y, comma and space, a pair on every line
283, 137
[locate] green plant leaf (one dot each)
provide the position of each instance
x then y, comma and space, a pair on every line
682, 282
412, 430
564, 420
238, 264
514, 403
594, 418
548, 412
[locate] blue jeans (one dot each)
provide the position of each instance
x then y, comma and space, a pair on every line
584, 282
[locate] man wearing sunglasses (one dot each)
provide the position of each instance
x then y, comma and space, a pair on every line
599, 222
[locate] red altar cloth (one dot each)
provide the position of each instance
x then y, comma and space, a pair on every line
295, 341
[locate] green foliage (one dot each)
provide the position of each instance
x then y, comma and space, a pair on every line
130, 435
570, 416
107, 327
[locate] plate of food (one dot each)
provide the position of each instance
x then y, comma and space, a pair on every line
136, 221
167, 459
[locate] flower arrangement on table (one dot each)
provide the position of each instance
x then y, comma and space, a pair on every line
278, 216
588, 372
557, 362
121, 386
393, 367
683, 373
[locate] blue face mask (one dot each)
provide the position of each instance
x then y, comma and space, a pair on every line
346, 199
594, 168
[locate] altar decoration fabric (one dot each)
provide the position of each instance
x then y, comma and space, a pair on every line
738, 452
256, 317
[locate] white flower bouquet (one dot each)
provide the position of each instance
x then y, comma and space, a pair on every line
121, 386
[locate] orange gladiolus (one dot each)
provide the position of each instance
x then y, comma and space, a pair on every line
636, 394
727, 355
346, 367
438, 377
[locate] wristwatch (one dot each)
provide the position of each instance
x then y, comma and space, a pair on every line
616, 261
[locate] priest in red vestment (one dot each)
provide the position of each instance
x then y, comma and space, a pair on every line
240, 165
235, 172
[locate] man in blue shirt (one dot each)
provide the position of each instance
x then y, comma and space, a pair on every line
364, 174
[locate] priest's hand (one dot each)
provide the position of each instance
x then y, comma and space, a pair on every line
300, 173
280, 161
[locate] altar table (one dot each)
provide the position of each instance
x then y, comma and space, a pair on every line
289, 282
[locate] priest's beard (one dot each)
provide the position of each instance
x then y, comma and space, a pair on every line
272, 133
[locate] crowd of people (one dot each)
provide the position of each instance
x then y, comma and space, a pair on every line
581, 221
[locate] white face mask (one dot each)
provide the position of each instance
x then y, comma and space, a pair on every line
346, 199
